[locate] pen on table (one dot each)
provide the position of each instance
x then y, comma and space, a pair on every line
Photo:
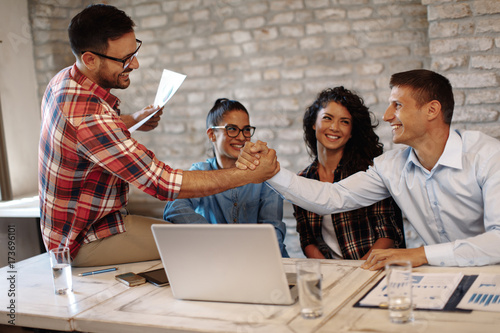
98, 271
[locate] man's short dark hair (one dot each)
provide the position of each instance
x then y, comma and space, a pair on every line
427, 86
91, 29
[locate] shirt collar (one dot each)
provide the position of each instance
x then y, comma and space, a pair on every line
213, 163
451, 156
90, 85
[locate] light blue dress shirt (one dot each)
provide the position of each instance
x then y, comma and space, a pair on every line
453, 207
252, 203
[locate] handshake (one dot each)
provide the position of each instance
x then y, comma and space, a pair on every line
257, 157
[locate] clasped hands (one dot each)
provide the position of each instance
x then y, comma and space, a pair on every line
260, 159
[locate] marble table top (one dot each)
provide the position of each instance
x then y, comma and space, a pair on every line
33, 296
99, 303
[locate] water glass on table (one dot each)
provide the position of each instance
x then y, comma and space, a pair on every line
399, 291
60, 262
309, 284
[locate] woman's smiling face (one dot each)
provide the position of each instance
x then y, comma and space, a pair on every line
226, 148
333, 127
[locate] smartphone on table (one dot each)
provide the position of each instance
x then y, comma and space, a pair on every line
130, 279
158, 277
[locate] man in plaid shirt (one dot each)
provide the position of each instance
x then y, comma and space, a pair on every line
87, 158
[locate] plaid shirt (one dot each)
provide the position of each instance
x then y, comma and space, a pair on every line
356, 230
86, 160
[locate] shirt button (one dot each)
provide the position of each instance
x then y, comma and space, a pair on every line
235, 204
234, 220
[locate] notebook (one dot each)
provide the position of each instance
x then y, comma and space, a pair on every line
224, 262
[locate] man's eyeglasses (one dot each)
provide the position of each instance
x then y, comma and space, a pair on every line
125, 61
233, 131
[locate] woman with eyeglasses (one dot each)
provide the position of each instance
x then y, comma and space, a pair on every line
228, 128
340, 137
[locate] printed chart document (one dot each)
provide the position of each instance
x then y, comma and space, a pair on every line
169, 83
483, 295
430, 290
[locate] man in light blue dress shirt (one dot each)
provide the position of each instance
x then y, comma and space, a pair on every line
445, 182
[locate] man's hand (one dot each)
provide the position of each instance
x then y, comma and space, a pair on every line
268, 167
198, 183
152, 123
250, 155
378, 258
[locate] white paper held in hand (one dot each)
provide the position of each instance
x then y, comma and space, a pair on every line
169, 83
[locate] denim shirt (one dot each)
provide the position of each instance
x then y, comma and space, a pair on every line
251, 203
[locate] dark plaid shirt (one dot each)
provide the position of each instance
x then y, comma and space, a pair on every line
356, 230
87, 159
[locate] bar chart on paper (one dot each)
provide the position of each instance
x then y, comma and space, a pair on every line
483, 295
430, 290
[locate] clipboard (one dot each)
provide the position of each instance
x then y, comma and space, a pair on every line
450, 306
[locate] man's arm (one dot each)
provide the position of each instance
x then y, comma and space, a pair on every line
359, 190
132, 162
204, 183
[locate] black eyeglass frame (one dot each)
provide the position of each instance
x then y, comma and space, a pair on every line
129, 58
252, 130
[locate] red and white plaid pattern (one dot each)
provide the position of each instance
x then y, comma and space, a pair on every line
87, 158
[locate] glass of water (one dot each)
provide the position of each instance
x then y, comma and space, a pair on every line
60, 262
309, 283
399, 291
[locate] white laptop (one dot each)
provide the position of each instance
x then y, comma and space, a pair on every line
224, 262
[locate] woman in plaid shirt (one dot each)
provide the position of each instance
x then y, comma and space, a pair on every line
340, 137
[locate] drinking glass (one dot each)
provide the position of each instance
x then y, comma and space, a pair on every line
399, 291
60, 262
309, 283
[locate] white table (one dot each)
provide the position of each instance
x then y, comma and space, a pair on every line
101, 304
36, 305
